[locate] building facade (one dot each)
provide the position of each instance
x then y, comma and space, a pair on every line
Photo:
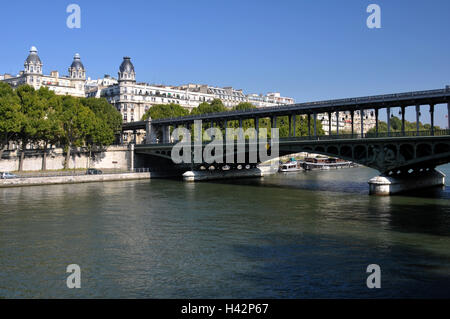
32, 74
132, 99
344, 121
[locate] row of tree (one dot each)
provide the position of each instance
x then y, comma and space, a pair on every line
40, 118
396, 126
174, 110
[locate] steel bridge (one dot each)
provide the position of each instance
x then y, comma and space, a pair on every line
417, 99
393, 154
397, 154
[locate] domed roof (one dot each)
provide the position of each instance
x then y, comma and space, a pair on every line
33, 57
77, 62
126, 65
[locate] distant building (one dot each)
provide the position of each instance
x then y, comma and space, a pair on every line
271, 99
130, 98
73, 84
95, 87
345, 121
133, 99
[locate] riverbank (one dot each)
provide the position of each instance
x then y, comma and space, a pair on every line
72, 179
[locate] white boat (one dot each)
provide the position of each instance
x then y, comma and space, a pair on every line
290, 167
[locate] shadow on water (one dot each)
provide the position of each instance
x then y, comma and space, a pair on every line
305, 266
300, 181
350, 181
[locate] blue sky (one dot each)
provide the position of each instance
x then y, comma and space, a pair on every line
310, 50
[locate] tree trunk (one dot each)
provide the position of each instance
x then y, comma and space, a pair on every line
4, 145
89, 158
2, 149
66, 164
22, 156
44, 158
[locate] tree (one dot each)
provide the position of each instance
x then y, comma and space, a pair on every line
9, 115
49, 128
160, 111
105, 126
243, 106
215, 106
245, 123
396, 126
79, 122
106, 112
32, 109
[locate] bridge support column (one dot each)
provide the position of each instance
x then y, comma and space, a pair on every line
361, 115
166, 134
352, 115
388, 112
432, 118
295, 124
290, 125
273, 122
417, 118
315, 124
240, 124
376, 122
448, 115
337, 123
257, 127
388, 185
329, 123
403, 120
152, 135
309, 125
131, 146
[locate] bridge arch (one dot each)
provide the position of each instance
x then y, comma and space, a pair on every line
424, 149
440, 148
407, 151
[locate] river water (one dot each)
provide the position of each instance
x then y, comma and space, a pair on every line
298, 235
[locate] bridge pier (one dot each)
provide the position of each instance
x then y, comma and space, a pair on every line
376, 122
389, 185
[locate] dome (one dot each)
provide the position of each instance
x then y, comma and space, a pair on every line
33, 57
126, 66
77, 62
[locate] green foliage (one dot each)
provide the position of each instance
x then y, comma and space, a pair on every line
41, 118
50, 127
106, 124
244, 106
78, 121
10, 117
160, 111
396, 126
215, 106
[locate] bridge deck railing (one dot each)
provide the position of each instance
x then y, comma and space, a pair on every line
440, 132
325, 103
422, 133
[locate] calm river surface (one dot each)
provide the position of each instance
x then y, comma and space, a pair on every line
301, 235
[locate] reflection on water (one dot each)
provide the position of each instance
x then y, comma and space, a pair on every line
298, 235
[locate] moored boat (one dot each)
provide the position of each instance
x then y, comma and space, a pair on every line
292, 166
